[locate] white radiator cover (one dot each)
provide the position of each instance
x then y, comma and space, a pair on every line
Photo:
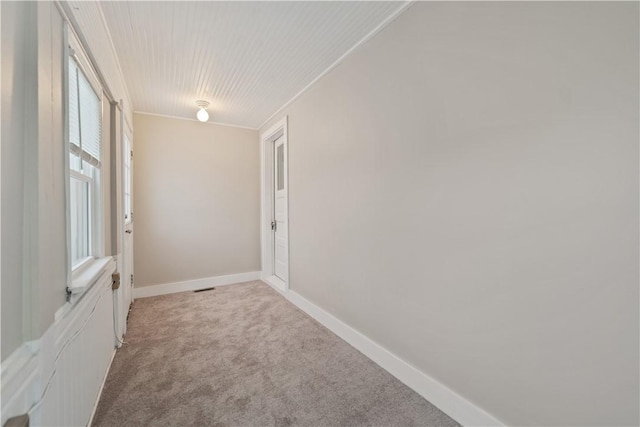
58, 378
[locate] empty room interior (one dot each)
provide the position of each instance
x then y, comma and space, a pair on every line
322, 213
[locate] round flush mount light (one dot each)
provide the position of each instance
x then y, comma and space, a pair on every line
202, 114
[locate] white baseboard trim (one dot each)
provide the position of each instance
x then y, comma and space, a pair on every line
276, 283
445, 399
194, 285
104, 381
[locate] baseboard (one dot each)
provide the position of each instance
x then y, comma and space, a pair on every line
194, 285
276, 283
445, 399
104, 381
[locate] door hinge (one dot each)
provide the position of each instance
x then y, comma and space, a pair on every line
115, 281
131, 279
132, 154
274, 225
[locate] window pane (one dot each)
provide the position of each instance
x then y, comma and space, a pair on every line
90, 170
279, 166
79, 194
74, 122
85, 135
74, 162
90, 117
85, 117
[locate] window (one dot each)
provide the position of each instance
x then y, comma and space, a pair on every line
85, 135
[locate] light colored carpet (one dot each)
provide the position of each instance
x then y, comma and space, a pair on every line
242, 355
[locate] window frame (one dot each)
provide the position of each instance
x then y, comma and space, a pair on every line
83, 273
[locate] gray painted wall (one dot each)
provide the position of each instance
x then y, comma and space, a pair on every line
464, 191
46, 235
34, 273
33, 225
196, 200
14, 36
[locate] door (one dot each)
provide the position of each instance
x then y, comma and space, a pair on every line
121, 180
280, 225
127, 194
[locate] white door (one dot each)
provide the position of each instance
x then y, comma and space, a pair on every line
127, 193
280, 225
121, 305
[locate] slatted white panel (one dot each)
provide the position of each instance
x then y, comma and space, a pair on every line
75, 356
246, 58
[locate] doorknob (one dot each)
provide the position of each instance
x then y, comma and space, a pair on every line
128, 231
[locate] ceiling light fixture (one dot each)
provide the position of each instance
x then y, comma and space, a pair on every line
202, 114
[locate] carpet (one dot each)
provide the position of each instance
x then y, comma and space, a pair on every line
242, 355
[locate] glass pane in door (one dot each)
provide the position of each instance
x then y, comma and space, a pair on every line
279, 167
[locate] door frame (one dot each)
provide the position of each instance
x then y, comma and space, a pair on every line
123, 296
117, 209
267, 171
127, 133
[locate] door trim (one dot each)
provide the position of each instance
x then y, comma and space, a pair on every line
267, 199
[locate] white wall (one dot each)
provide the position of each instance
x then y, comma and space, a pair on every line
33, 198
34, 265
196, 200
464, 191
46, 342
14, 44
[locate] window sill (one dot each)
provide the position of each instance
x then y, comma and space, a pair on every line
89, 274
82, 283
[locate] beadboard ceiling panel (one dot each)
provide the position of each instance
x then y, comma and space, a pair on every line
246, 58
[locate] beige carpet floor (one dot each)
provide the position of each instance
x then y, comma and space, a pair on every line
242, 355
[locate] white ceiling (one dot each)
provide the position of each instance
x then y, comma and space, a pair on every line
247, 58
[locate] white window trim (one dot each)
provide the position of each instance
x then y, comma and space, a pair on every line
86, 272
86, 277
80, 265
